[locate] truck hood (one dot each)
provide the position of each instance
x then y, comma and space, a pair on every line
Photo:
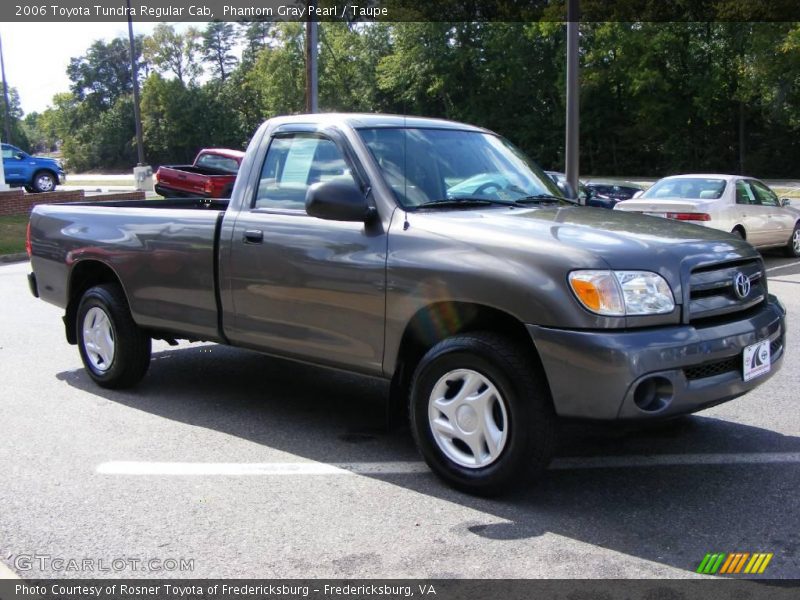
44, 161
582, 235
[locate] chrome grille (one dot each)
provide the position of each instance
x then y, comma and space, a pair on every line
713, 292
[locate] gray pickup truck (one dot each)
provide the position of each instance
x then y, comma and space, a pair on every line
433, 255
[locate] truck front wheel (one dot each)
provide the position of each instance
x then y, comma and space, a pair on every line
43, 181
114, 350
481, 413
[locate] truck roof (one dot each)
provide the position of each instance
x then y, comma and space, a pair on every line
362, 120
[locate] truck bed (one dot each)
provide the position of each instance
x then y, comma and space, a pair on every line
164, 251
190, 180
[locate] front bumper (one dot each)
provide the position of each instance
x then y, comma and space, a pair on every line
607, 374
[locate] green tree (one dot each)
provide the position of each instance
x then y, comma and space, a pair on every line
279, 73
173, 52
218, 41
103, 74
13, 112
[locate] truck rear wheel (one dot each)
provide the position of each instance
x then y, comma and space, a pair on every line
481, 414
114, 350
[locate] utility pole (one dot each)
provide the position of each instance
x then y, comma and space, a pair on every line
142, 173
135, 75
312, 75
571, 153
7, 113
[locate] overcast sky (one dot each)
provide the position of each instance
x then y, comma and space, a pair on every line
37, 54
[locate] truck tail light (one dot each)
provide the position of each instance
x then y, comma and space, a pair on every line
689, 216
28, 248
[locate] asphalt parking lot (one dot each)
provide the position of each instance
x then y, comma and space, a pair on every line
226, 463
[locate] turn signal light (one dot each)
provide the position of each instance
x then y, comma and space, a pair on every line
689, 216
587, 293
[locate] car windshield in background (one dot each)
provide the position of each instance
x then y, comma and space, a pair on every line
695, 188
446, 166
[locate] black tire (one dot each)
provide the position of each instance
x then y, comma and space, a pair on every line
793, 245
130, 356
737, 231
43, 181
530, 426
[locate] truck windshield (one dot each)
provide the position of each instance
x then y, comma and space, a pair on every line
440, 167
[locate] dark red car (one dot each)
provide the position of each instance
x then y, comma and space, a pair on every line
211, 176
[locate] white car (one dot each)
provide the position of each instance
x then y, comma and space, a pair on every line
742, 205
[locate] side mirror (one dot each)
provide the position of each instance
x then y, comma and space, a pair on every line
786, 202
20, 155
337, 201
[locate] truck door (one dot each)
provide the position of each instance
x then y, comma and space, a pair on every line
302, 286
13, 166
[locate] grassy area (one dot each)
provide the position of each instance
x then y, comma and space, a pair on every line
12, 234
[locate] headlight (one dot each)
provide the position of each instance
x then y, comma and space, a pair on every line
620, 293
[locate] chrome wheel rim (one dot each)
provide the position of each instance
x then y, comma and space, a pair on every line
468, 418
44, 182
98, 339
796, 241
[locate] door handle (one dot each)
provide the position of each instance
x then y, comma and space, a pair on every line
253, 236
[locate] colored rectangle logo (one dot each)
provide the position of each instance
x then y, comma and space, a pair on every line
734, 563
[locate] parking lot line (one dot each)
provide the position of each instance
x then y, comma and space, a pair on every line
783, 266
411, 467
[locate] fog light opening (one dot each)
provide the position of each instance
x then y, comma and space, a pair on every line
653, 394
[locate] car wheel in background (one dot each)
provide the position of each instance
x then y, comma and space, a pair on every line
481, 413
43, 181
793, 245
114, 350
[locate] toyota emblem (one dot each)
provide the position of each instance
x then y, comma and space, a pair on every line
741, 285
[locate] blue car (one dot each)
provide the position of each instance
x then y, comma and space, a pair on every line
36, 174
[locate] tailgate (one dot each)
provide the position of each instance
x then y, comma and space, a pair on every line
178, 179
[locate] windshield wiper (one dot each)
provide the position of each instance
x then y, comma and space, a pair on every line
466, 201
542, 198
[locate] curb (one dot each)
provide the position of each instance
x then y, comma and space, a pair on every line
12, 258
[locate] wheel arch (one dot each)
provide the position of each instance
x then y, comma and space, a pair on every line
84, 275
439, 320
739, 227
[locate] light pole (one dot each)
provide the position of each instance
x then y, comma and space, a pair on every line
135, 75
3, 184
7, 115
142, 173
571, 152
312, 75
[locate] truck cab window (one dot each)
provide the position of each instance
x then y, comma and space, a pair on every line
292, 164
